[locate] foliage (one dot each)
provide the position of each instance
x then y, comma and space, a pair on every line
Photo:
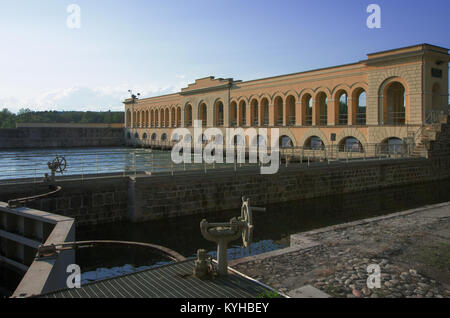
9, 119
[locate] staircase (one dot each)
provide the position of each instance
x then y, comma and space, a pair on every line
433, 138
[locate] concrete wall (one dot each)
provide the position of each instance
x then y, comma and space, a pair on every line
52, 137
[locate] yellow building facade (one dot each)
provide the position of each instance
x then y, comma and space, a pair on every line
389, 95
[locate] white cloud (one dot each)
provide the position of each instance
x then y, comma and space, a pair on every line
88, 99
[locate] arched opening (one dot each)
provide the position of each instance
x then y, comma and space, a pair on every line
187, 138
238, 140
350, 144
128, 135
394, 109
359, 99
144, 136
134, 119
154, 137
175, 137
162, 119
136, 136
259, 141
321, 105
178, 120
254, 112
218, 139
152, 118
341, 107
138, 119
392, 145
188, 116
242, 113
314, 143
203, 139
203, 114
156, 118
147, 119
173, 119
307, 109
264, 112
128, 118
278, 111
164, 137
166, 117
290, 110
233, 114
285, 142
219, 113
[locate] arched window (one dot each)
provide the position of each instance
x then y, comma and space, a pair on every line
154, 136
173, 119
394, 111
290, 110
188, 116
392, 145
307, 111
350, 144
243, 113
219, 113
278, 111
314, 143
233, 114
342, 108
286, 142
264, 112
144, 136
254, 112
321, 109
360, 110
164, 137
203, 114
178, 121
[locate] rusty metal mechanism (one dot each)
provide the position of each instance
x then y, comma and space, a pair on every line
51, 251
223, 233
58, 165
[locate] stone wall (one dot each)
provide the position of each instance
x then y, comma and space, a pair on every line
91, 201
61, 137
162, 197
143, 198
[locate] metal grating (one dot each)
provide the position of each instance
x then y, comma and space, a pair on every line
169, 281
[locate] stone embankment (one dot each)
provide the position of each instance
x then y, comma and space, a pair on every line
411, 248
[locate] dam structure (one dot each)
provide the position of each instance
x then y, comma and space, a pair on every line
386, 99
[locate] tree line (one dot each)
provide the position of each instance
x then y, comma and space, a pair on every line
8, 119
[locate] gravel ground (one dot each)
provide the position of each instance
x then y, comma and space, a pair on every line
411, 248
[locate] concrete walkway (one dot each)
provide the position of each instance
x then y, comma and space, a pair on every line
411, 248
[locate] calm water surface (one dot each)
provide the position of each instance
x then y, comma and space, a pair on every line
272, 228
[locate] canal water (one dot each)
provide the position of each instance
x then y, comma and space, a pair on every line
272, 228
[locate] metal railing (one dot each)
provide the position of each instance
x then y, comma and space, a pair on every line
395, 118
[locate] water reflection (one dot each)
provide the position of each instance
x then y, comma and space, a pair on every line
272, 228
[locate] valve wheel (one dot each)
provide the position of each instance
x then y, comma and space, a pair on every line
60, 164
246, 216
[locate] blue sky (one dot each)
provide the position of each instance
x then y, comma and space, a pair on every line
157, 47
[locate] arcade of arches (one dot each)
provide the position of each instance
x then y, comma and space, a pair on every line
384, 97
